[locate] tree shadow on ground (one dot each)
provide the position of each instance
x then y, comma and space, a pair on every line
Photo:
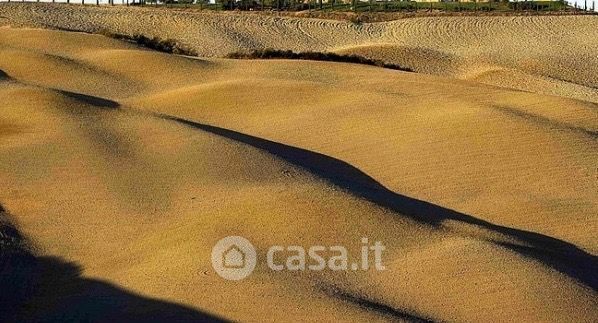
557, 254
395, 314
90, 99
49, 289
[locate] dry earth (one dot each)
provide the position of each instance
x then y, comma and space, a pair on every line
555, 55
123, 166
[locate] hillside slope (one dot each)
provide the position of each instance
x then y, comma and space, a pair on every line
544, 54
124, 166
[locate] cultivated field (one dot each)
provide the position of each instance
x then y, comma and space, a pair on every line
546, 54
120, 167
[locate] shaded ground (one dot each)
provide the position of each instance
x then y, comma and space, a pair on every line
50, 289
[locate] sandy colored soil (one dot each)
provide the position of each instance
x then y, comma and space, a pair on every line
120, 167
554, 55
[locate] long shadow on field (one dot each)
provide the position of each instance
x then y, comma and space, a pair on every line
91, 100
48, 289
560, 255
375, 306
383, 309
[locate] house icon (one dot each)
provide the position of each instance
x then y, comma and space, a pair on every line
233, 258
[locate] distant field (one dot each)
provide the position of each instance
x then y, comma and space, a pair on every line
381, 6
375, 9
546, 54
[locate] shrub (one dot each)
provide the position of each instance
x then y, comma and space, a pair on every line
163, 45
314, 56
